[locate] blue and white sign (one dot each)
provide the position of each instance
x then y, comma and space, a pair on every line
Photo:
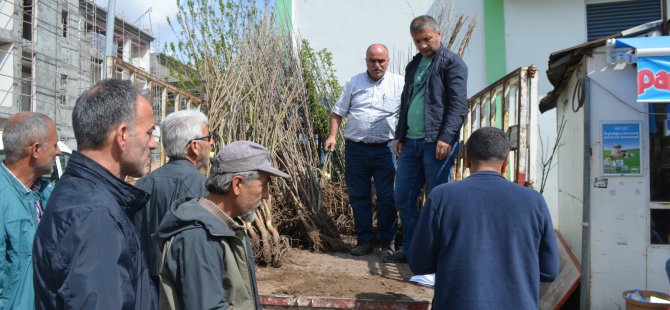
621, 153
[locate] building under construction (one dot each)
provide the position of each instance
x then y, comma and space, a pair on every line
53, 50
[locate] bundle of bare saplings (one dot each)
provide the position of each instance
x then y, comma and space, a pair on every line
242, 60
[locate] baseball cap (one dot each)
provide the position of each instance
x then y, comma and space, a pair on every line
241, 156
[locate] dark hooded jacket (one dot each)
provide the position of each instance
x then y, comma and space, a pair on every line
177, 179
86, 254
207, 263
446, 102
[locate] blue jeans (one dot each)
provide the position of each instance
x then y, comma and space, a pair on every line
417, 166
364, 163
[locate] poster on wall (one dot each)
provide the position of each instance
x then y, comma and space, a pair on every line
621, 149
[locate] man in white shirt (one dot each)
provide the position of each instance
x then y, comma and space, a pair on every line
370, 101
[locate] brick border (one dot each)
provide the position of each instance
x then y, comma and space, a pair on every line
316, 302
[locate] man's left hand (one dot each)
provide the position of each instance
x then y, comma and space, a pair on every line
442, 150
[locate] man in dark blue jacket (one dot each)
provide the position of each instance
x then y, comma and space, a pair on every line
489, 241
86, 254
432, 109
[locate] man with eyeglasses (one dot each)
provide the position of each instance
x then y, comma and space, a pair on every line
370, 101
187, 143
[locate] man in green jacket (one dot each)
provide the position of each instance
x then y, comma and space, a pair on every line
30, 143
207, 258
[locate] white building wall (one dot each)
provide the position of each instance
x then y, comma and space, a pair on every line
6, 12
347, 27
7, 65
533, 30
570, 170
619, 231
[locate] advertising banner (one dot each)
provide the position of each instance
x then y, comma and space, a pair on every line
621, 149
653, 79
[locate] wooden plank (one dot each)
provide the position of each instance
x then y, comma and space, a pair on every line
553, 295
523, 119
533, 128
155, 79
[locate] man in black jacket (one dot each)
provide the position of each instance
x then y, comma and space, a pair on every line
432, 109
187, 143
86, 254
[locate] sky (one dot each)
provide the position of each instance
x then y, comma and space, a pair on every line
156, 19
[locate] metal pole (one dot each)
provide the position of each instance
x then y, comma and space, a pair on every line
111, 9
584, 291
664, 15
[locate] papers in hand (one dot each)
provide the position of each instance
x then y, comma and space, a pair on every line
427, 279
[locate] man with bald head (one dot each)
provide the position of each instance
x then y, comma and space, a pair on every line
30, 142
370, 101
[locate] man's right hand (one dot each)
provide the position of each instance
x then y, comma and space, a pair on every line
329, 145
397, 147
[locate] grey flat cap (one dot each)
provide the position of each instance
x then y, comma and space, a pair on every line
242, 156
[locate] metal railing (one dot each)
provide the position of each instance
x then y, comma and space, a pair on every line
510, 104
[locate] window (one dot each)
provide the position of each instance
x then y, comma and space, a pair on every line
96, 70
63, 20
26, 88
63, 90
659, 169
659, 151
604, 19
27, 24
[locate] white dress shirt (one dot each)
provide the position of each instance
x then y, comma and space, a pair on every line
371, 108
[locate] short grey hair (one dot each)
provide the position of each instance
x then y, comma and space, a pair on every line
421, 22
178, 129
219, 183
101, 109
19, 134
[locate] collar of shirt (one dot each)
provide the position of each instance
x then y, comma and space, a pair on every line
17, 179
377, 82
219, 214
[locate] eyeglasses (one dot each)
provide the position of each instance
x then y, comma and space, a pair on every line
207, 138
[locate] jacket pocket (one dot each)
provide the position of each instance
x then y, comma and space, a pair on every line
20, 233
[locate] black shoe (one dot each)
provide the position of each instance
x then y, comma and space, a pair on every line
362, 248
397, 257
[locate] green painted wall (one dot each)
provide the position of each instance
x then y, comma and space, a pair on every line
494, 38
494, 44
284, 14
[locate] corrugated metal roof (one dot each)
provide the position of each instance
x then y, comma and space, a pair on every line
563, 63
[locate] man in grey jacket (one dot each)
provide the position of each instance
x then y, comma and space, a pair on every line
187, 143
207, 259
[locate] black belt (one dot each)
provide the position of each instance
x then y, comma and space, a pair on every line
369, 144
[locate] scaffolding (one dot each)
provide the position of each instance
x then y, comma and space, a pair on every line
53, 50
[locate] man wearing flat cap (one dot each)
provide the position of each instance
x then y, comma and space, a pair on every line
207, 259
